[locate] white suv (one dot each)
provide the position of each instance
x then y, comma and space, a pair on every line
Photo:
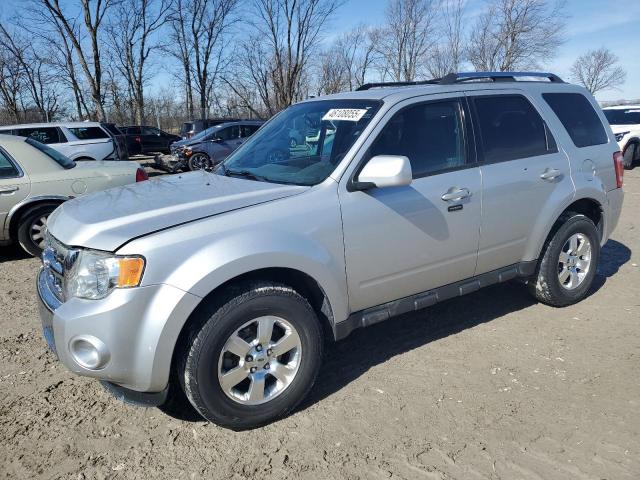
625, 123
76, 140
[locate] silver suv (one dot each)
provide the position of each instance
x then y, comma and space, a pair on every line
223, 286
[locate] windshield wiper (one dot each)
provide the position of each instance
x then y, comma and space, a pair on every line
244, 174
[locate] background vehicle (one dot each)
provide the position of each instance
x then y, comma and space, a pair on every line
193, 127
76, 140
209, 147
425, 191
35, 179
625, 123
143, 140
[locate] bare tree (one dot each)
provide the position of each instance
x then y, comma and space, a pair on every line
131, 28
447, 55
275, 59
596, 70
93, 13
199, 30
11, 84
404, 41
516, 34
357, 52
36, 72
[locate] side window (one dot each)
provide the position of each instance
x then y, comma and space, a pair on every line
578, 117
510, 128
229, 133
7, 169
44, 135
431, 135
133, 130
150, 131
89, 133
248, 130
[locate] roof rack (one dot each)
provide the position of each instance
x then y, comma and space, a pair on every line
453, 78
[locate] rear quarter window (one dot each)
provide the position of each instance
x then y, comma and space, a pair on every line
578, 117
7, 168
89, 133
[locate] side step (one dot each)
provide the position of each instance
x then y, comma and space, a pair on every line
413, 303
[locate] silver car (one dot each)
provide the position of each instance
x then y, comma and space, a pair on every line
222, 287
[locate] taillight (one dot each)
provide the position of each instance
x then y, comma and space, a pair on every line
141, 175
617, 162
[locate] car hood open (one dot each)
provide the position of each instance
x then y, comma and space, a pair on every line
108, 219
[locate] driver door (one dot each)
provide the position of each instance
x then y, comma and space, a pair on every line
404, 240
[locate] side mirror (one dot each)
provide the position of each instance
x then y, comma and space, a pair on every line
384, 171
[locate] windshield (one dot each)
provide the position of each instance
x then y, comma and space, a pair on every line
203, 134
62, 160
303, 144
623, 117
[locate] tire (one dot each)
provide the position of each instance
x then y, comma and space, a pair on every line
31, 228
629, 156
561, 281
200, 161
207, 349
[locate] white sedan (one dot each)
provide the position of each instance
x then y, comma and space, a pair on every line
35, 179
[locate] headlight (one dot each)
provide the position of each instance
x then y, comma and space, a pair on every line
96, 274
187, 151
620, 136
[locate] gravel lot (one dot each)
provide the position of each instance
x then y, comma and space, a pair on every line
491, 385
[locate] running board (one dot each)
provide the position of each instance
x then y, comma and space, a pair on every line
413, 303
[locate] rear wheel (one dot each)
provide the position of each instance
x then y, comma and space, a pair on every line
569, 261
254, 358
32, 227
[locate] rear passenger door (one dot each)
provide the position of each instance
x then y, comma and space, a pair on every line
524, 176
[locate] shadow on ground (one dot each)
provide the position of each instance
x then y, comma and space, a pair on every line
363, 349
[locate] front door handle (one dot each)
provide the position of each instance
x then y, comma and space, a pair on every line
550, 174
8, 190
456, 194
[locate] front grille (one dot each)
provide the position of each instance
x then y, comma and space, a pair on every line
56, 259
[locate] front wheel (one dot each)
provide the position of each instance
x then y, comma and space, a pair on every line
569, 261
629, 156
200, 161
254, 358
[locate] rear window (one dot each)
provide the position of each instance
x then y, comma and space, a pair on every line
89, 133
7, 169
510, 128
62, 160
578, 117
41, 134
623, 117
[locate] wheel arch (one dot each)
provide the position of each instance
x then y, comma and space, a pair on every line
15, 214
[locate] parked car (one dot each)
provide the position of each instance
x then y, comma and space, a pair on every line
625, 123
209, 147
223, 286
35, 179
193, 127
76, 140
144, 140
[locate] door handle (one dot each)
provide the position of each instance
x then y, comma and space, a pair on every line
456, 194
550, 174
8, 190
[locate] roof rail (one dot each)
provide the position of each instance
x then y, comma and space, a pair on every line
452, 78
496, 77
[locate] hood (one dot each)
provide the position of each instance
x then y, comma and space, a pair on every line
108, 219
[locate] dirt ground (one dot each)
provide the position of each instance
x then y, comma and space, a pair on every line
491, 385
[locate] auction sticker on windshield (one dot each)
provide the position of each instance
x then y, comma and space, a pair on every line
348, 114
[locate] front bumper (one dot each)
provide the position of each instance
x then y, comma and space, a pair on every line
138, 328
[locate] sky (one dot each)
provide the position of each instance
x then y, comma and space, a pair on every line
591, 24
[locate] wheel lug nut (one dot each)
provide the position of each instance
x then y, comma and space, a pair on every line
258, 348
249, 358
253, 369
269, 352
267, 366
